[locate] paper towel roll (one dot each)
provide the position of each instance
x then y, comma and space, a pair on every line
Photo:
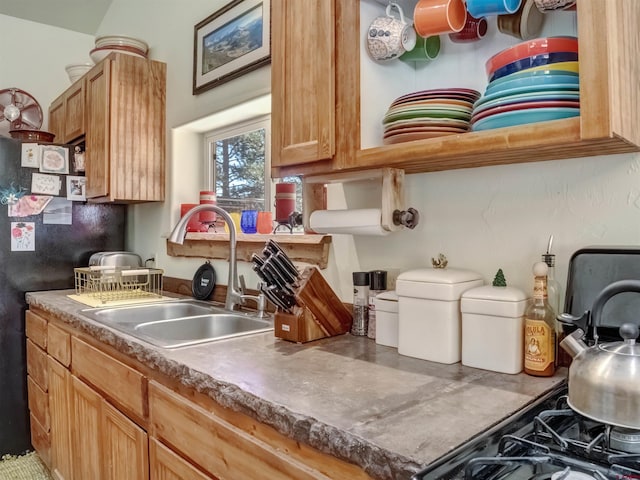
363, 221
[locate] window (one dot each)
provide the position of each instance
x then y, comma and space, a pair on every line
238, 165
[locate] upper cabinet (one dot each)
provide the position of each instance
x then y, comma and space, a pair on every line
66, 114
303, 81
123, 129
609, 120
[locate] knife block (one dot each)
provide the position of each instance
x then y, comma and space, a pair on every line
319, 314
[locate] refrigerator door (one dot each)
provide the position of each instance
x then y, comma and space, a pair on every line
58, 249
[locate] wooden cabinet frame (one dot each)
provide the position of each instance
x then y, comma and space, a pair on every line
609, 99
112, 417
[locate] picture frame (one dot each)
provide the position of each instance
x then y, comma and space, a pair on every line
54, 159
76, 188
231, 42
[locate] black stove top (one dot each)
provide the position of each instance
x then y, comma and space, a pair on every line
546, 441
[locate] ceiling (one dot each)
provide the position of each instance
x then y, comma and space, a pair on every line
82, 16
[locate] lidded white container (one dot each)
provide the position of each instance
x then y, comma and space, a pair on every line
429, 317
493, 328
387, 318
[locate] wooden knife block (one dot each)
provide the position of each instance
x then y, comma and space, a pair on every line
319, 314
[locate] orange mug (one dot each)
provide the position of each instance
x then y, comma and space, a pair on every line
433, 17
265, 222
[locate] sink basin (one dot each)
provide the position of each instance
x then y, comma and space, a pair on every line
179, 323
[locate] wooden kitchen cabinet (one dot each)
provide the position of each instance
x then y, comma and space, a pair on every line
125, 138
300, 63
118, 109
164, 464
113, 418
609, 119
66, 114
60, 415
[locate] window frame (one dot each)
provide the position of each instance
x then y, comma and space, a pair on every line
245, 126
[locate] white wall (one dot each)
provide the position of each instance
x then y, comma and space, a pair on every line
482, 219
33, 57
168, 27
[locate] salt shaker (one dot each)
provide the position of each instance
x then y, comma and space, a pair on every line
360, 323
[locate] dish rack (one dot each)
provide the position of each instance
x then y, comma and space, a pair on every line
108, 283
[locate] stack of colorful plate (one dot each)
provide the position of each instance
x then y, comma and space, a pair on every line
539, 52
428, 114
529, 95
118, 43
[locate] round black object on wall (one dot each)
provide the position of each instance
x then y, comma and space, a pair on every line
203, 282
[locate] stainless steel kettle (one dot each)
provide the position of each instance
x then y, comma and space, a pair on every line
604, 379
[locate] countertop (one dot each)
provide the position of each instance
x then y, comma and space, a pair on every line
346, 396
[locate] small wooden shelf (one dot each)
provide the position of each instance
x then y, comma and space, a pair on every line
312, 249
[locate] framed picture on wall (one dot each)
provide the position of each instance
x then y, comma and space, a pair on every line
233, 41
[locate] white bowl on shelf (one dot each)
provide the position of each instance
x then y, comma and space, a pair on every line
121, 41
77, 70
99, 54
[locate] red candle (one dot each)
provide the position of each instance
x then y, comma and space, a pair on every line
207, 196
285, 201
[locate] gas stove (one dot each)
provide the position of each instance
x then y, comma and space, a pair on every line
546, 441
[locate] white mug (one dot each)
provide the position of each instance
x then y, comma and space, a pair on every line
389, 37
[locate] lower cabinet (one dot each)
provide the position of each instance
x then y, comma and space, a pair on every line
164, 464
100, 418
60, 414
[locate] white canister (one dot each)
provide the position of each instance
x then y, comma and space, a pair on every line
429, 322
493, 328
387, 319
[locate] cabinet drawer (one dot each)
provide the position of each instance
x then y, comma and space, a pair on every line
122, 384
38, 403
37, 365
40, 441
167, 465
36, 329
59, 345
222, 449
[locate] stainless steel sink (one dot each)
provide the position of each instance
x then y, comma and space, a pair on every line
179, 323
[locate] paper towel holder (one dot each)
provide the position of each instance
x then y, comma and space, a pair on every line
394, 216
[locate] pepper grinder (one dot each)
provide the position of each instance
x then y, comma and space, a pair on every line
360, 323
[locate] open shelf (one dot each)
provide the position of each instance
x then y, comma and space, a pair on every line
312, 249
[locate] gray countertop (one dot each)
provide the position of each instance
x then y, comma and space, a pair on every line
346, 396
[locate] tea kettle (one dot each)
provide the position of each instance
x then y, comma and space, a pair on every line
604, 380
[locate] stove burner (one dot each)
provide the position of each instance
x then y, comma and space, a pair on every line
552, 443
625, 439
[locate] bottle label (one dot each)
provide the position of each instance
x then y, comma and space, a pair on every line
539, 345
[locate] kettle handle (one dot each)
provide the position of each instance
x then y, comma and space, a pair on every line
606, 294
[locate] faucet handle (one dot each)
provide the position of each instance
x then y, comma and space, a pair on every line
243, 284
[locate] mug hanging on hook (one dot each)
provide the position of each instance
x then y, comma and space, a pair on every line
389, 37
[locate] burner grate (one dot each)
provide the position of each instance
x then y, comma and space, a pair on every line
550, 442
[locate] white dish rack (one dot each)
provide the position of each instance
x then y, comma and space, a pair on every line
108, 283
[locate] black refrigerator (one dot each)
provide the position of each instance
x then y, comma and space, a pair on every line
42, 259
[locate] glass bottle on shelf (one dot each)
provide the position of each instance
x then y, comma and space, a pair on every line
540, 328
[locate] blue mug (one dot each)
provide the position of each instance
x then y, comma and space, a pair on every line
249, 221
481, 8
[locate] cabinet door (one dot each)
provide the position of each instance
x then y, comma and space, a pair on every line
85, 436
59, 415
56, 119
303, 81
125, 453
98, 80
167, 465
74, 111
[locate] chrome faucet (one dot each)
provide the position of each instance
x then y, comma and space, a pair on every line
235, 295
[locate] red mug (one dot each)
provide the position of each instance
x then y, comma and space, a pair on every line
474, 29
193, 225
